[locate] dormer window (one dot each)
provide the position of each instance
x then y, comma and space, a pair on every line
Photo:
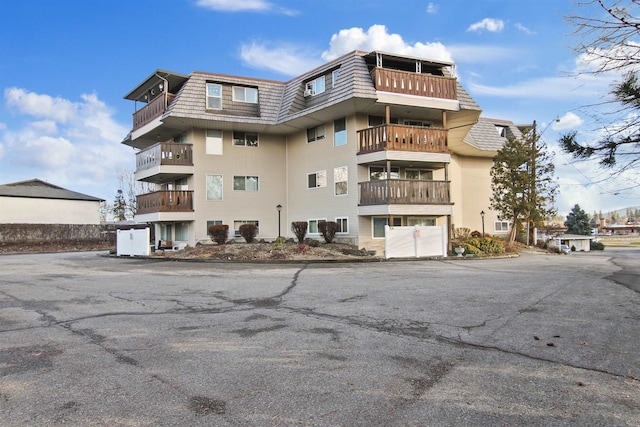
314, 87
502, 131
214, 96
245, 94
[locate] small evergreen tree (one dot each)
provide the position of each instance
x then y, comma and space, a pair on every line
119, 208
578, 222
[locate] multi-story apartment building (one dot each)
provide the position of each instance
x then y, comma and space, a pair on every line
365, 140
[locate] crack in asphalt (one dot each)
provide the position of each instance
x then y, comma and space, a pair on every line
397, 327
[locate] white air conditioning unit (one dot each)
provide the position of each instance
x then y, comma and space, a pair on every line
308, 92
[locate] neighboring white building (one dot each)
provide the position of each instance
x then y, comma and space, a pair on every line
580, 242
38, 202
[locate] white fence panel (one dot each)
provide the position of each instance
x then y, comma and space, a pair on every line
418, 241
133, 242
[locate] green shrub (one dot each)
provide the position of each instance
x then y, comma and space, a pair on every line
219, 233
328, 229
596, 246
249, 232
299, 228
487, 245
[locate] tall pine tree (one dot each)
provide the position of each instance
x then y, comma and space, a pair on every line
578, 222
522, 183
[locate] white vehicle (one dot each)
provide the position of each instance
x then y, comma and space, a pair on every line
565, 249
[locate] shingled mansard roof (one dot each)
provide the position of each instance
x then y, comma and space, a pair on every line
38, 189
484, 134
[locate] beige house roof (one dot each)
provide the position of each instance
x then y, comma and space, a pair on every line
491, 134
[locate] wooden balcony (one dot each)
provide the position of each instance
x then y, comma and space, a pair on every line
404, 191
165, 154
408, 83
152, 110
164, 201
402, 138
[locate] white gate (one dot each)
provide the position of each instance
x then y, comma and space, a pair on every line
418, 241
133, 242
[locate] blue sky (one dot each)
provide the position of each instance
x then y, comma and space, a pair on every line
66, 65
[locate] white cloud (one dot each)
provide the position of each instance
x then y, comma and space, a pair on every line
432, 8
69, 143
236, 5
244, 6
524, 29
489, 24
42, 106
378, 38
288, 59
568, 121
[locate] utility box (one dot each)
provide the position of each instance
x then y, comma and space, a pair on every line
133, 242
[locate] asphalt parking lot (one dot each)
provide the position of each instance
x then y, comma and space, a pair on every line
542, 340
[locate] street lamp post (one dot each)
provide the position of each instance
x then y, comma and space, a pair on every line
279, 208
482, 216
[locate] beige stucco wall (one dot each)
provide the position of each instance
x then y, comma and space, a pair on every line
471, 192
304, 157
23, 210
267, 162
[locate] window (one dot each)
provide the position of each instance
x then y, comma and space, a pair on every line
245, 183
315, 134
339, 132
245, 94
166, 231
501, 226
421, 221
378, 172
214, 142
213, 222
502, 131
214, 96
182, 231
214, 187
418, 174
313, 225
237, 224
343, 225
245, 139
380, 120
317, 179
340, 180
314, 87
182, 184
378, 224
418, 123
334, 77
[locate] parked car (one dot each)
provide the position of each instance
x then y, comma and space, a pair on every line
565, 249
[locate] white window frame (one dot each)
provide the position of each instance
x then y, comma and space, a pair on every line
245, 141
213, 142
245, 179
502, 227
343, 225
421, 172
395, 173
316, 86
315, 223
386, 221
316, 133
211, 97
339, 136
221, 187
245, 94
338, 179
335, 74
213, 222
239, 222
320, 178
421, 221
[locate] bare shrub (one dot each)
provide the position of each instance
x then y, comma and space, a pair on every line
328, 229
249, 232
299, 228
219, 233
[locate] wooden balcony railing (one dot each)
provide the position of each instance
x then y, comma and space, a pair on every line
402, 138
164, 201
404, 191
408, 83
152, 110
165, 153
